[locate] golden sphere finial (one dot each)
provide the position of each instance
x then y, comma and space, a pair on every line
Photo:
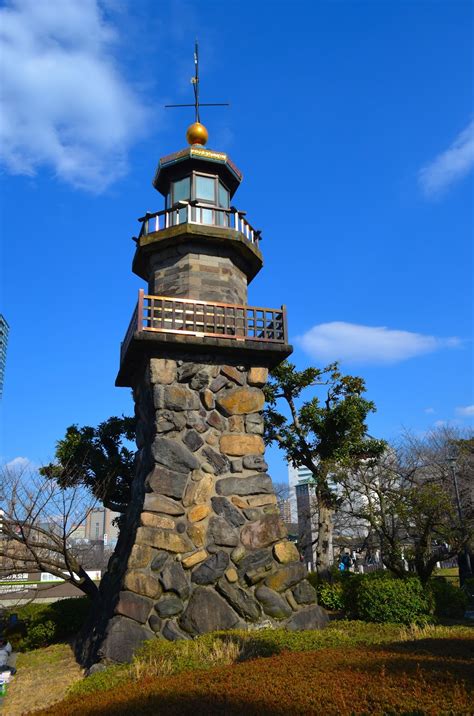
197, 134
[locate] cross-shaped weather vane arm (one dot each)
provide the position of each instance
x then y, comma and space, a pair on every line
195, 82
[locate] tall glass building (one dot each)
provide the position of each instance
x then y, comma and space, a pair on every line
4, 329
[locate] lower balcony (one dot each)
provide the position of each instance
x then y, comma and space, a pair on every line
202, 319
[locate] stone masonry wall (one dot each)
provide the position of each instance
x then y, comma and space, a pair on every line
210, 551
187, 273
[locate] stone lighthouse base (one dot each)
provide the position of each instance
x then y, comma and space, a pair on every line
207, 549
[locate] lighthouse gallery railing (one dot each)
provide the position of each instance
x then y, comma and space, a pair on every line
196, 213
185, 316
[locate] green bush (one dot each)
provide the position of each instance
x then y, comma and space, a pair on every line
41, 634
384, 599
450, 601
45, 624
331, 596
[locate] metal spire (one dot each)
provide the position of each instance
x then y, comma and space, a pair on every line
195, 83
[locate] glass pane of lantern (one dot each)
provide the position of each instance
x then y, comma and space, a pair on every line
181, 190
223, 197
206, 216
205, 188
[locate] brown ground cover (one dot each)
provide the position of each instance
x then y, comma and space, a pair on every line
43, 677
430, 676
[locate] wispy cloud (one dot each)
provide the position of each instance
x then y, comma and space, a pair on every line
18, 463
355, 343
449, 166
65, 104
430, 411
466, 411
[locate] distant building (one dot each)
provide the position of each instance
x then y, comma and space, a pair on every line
285, 510
296, 475
307, 522
4, 329
100, 527
304, 511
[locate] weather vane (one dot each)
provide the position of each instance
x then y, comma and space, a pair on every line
195, 83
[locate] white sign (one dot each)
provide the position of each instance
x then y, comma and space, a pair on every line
14, 586
47, 577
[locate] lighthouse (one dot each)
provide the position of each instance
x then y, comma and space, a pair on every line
202, 546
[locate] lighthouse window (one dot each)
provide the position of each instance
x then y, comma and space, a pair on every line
205, 188
181, 190
223, 196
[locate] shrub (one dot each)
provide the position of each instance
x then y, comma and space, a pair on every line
450, 601
385, 599
331, 596
45, 624
42, 634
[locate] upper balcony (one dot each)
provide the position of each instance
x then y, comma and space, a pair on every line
194, 212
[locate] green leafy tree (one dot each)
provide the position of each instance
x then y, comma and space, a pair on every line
325, 433
98, 458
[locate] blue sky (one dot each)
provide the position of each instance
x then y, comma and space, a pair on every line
353, 125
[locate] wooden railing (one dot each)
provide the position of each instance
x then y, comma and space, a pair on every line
195, 213
185, 316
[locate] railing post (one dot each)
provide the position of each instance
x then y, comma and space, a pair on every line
285, 326
141, 294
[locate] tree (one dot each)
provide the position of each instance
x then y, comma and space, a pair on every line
99, 459
410, 503
39, 520
323, 434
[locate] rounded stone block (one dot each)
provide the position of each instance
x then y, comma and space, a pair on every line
140, 556
123, 637
313, 617
163, 539
174, 455
273, 604
238, 445
134, 606
198, 492
160, 503
243, 486
286, 552
257, 376
198, 513
241, 401
151, 519
194, 558
207, 611
197, 533
286, 577
142, 584
162, 370
263, 532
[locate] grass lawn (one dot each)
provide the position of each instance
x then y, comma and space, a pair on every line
43, 676
349, 668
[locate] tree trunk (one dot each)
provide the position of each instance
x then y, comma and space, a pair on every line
86, 584
324, 554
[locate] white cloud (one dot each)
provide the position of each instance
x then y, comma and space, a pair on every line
449, 166
430, 411
65, 104
18, 463
368, 344
466, 411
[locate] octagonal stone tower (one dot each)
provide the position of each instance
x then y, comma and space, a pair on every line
202, 546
